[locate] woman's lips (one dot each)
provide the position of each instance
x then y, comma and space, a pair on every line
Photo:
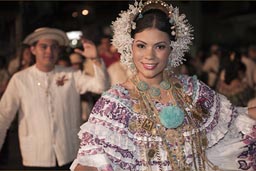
149, 66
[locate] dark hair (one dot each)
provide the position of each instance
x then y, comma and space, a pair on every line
3, 62
23, 47
233, 67
153, 18
35, 43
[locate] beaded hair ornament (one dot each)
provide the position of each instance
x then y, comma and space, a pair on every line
124, 24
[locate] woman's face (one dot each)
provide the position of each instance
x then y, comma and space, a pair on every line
27, 55
151, 49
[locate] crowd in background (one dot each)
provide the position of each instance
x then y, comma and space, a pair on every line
229, 71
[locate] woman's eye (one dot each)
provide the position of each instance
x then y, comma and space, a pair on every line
161, 47
140, 46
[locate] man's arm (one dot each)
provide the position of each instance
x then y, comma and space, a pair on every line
9, 105
100, 81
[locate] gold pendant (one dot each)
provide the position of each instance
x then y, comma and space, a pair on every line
136, 108
134, 94
151, 153
216, 168
205, 141
147, 124
197, 117
153, 131
171, 135
133, 127
177, 85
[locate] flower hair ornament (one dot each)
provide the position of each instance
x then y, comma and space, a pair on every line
124, 24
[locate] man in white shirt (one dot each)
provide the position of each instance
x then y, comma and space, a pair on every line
47, 98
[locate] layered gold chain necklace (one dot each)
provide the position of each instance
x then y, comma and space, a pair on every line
170, 124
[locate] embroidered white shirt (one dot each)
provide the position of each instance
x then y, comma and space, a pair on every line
49, 112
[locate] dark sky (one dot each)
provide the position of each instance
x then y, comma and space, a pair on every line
34, 14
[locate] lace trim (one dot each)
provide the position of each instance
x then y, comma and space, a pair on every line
223, 121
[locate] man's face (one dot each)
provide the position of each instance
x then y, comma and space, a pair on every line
46, 52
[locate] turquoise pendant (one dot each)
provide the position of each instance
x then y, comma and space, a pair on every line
171, 116
154, 92
142, 86
165, 85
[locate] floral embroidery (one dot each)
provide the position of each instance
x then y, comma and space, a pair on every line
61, 80
247, 159
120, 144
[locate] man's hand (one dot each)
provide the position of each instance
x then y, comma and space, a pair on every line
90, 50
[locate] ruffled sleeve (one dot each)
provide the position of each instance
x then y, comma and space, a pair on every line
227, 128
104, 138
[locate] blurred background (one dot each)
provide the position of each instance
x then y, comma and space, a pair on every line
217, 25
226, 22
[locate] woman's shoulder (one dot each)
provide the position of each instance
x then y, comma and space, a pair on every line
114, 104
185, 78
188, 83
117, 91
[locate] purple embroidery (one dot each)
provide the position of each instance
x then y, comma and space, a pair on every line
124, 153
243, 165
112, 110
86, 138
248, 156
114, 106
206, 97
106, 168
121, 163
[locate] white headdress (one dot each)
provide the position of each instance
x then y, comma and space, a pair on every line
124, 24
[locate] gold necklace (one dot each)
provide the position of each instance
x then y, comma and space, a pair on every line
154, 92
176, 155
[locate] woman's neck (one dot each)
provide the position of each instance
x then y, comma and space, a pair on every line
151, 81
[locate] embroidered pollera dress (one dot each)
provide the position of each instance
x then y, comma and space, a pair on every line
108, 143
